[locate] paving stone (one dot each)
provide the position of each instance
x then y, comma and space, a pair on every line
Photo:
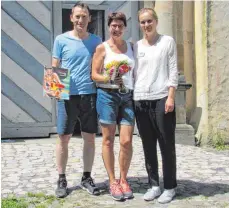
202, 179
6, 191
35, 180
11, 179
43, 185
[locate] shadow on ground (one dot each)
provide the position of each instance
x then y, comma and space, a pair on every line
185, 188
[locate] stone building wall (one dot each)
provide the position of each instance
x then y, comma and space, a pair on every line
178, 14
218, 69
205, 41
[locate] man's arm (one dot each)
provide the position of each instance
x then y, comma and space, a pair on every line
55, 62
57, 52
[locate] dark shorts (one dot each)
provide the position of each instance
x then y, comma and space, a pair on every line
79, 107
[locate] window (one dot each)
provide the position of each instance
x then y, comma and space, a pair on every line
96, 26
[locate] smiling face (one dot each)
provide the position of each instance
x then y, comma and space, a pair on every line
148, 23
80, 18
117, 28
49, 71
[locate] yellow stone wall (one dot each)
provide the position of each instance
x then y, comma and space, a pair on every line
206, 48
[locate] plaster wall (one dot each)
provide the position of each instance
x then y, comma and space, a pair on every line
218, 68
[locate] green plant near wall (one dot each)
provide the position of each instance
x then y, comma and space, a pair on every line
218, 141
38, 200
13, 202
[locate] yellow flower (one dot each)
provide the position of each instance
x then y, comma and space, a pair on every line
111, 64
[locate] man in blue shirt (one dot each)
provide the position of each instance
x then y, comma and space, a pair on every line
73, 50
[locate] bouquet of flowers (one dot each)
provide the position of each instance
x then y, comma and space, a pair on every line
116, 69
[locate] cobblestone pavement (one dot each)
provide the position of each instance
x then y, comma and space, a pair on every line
29, 166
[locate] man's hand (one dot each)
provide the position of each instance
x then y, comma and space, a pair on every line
169, 105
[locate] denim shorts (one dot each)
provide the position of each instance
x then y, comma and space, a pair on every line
79, 107
115, 108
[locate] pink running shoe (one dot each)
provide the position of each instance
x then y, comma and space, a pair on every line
116, 191
127, 192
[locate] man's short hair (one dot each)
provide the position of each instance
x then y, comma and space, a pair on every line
83, 6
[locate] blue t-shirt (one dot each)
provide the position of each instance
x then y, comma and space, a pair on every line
76, 55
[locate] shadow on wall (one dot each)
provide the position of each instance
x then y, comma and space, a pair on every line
195, 122
195, 118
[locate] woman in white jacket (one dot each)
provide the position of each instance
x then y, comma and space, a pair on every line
156, 79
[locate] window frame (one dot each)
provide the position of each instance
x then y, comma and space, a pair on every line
104, 8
